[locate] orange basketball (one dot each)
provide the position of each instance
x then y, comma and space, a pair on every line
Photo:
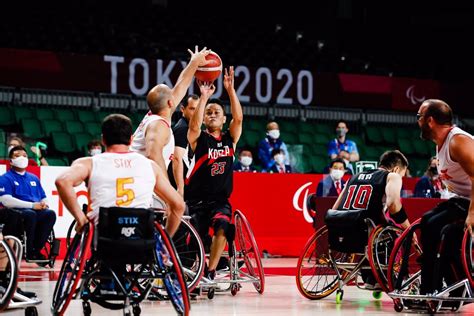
211, 71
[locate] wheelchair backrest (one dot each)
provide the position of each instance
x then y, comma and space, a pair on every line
126, 235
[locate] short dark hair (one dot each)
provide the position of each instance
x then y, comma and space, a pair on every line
218, 102
337, 160
185, 101
16, 148
93, 143
342, 121
276, 151
440, 111
116, 130
392, 158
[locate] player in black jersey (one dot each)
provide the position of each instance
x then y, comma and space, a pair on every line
370, 190
209, 179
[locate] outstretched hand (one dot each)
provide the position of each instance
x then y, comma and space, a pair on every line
200, 55
206, 88
229, 78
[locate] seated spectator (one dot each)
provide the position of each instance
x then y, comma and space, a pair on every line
22, 191
279, 165
271, 142
332, 184
245, 161
94, 147
430, 184
341, 147
17, 141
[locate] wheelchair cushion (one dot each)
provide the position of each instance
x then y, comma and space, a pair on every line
126, 235
347, 230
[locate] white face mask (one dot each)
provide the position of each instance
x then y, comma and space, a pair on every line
20, 162
279, 158
274, 133
246, 161
336, 174
95, 151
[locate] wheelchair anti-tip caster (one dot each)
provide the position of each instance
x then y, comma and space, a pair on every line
339, 296
86, 308
234, 288
397, 305
137, 310
210, 294
31, 311
377, 295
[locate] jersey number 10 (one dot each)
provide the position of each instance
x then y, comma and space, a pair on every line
362, 196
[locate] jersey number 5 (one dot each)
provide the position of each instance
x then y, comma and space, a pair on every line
362, 196
123, 192
217, 168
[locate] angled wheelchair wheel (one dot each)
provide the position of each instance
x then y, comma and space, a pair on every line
77, 254
247, 246
404, 267
170, 267
9, 269
381, 242
50, 250
468, 257
191, 253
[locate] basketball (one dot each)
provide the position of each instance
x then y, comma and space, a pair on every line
211, 71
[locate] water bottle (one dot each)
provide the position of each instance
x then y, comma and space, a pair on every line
428, 193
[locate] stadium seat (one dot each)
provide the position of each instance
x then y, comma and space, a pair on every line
290, 138
403, 133
73, 127
389, 135
252, 138
58, 161
406, 146
307, 127
86, 116
44, 114
65, 115
374, 134
371, 153
50, 126
318, 163
63, 142
321, 139
32, 128
80, 141
7, 117
93, 128
305, 138
324, 128
3, 150
23, 113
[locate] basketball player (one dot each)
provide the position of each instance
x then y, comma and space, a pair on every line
154, 137
454, 150
209, 179
367, 190
116, 177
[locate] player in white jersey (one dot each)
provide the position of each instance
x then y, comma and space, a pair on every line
154, 137
118, 177
455, 149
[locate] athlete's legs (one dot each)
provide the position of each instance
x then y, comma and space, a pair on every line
221, 216
217, 248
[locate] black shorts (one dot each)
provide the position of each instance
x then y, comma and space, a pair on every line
206, 214
13, 222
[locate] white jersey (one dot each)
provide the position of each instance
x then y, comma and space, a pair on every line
138, 141
121, 179
451, 173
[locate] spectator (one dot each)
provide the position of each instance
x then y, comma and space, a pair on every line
94, 147
22, 190
279, 165
430, 184
17, 141
333, 184
271, 142
341, 147
245, 161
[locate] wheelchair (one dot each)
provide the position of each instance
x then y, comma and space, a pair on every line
50, 251
245, 265
9, 298
131, 254
405, 275
322, 270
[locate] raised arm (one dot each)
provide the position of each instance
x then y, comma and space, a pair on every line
156, 137
198, 58
178, 168
65, 182
460, 150
235, 126
393, 201
196, 120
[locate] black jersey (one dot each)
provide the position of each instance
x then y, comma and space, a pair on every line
180, 132
365, 191
210, 172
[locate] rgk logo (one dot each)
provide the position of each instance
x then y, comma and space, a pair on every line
128, 231
296, 198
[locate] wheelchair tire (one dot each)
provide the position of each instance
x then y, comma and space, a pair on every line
468, 257
381, 242
173, 278
8, 289
191, 253
249, 249
399, 269
71, 271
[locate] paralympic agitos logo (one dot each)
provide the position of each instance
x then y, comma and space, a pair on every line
296, 202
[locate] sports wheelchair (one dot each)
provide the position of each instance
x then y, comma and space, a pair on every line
245, 265
404, 273
118, 264
331, 258
11, 250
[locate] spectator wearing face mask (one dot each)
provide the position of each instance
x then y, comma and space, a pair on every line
266, 146
333, 184
430, 184
343, 148
17, 141
245, 162
94, 147
279, 165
